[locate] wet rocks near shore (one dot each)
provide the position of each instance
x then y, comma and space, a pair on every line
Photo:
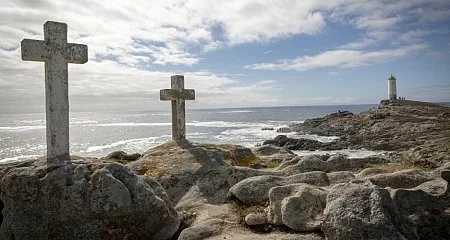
304, 144
418, 132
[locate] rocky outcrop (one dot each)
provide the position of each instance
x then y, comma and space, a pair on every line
182, 166
328, 163
364, 211
87, 199
429, 214
357, 212
216, 194
418, 132
272, 156
197, 179
401, 179
270, 150
303, 144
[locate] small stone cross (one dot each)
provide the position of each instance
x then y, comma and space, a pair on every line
56, 53
178, 95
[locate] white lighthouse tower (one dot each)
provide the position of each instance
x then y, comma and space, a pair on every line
392, 87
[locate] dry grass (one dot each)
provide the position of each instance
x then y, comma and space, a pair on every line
151, 169
230, 156
240, 210
402, 163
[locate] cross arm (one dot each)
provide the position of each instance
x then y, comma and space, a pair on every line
170, 94
34, 50
76, 53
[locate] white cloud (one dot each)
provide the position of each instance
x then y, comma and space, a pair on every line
371, 38
168, 32
109, 85
384, 21
212, 46
338, 58
175, 32
128, 38
414, 35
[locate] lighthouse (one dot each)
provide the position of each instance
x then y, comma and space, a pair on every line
392, 87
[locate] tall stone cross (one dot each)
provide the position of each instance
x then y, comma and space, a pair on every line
177, 94
56, 53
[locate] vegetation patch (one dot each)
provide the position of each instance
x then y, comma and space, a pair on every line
151, 169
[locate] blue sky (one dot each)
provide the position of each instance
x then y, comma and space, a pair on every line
236, 53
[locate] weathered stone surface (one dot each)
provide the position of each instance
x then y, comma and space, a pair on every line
370, 172
237, 174
84, 200
234, 155
340, 177
306, 164
243, 153
204, 230
199, 178
255, 219
429, 214
444, 167
210, 220
271, 155
434, 187
358, 212
304, 212
177, 94
180, 165
268, 150
298, 206
220, 221
255, 190
332, 164
56, 53
402, 179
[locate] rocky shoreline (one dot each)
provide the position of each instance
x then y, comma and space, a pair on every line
417, 132
184, 190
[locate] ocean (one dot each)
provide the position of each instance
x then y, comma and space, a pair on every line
96, 134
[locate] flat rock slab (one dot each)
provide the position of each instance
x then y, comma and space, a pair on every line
330, 164
401, 179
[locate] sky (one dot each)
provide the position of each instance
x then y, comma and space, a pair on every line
236, 53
